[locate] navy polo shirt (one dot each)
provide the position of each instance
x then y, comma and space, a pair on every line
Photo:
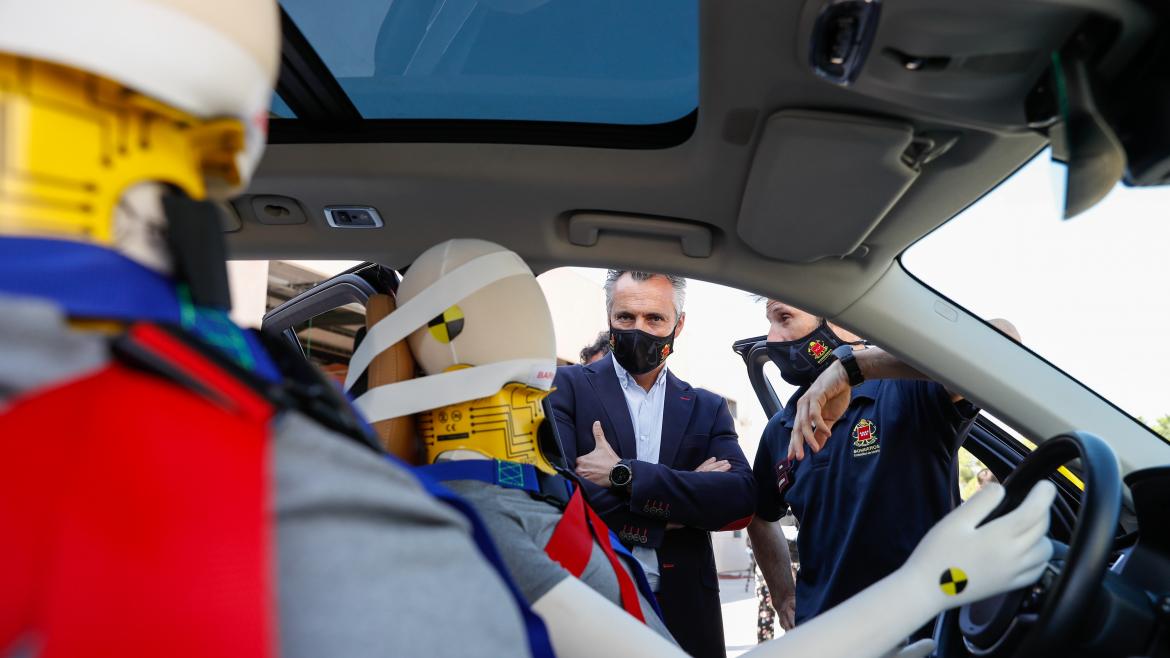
883, 479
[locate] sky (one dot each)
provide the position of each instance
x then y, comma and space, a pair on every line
1090, 294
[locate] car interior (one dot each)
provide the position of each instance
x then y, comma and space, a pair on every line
811, 143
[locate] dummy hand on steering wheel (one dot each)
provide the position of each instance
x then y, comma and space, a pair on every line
959, 561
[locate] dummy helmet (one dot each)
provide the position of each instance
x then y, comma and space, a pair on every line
481, 333
98, 96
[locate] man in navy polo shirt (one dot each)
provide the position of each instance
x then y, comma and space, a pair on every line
881, 476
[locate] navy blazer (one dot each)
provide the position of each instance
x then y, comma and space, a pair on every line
695, 425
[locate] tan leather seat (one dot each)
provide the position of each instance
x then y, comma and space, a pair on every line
396, 364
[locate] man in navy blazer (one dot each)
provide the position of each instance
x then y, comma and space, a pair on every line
659, 460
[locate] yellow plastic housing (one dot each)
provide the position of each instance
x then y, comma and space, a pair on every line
71, 143
502, 426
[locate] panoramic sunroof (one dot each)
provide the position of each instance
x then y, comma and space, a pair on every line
280, 109
583, 61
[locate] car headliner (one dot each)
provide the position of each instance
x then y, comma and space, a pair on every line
754, 65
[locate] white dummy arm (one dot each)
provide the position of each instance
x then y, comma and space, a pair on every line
584, 624
1003, 555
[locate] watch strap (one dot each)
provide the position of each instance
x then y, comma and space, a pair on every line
848, 361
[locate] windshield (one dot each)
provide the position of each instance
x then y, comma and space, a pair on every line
1091, 295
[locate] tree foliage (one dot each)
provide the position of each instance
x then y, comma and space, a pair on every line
1161, 425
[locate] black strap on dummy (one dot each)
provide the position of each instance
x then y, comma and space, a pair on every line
553, 490
198, 254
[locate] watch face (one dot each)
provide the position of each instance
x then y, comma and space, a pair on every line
620, 475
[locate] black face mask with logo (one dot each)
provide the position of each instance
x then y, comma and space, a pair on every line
639, 352
800, 361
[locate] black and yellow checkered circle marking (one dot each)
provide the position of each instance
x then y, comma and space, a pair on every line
447, 327
952, 581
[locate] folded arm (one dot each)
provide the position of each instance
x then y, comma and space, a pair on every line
708, 500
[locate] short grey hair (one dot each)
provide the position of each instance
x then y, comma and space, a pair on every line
678, 283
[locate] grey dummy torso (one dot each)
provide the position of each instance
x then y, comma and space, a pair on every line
521, 527
368, 563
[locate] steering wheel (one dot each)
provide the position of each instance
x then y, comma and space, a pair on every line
1041, 619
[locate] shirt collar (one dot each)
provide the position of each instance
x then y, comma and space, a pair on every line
627, 380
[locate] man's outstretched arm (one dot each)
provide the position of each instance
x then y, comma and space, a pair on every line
828, 398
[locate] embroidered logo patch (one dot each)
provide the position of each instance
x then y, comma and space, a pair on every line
819, 351
865, 438
952, 581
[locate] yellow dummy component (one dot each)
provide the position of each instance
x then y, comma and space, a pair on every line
502, 426
71, 143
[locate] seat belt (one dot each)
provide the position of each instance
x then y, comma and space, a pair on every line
571, 544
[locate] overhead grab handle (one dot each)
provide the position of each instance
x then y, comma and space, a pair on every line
586, 227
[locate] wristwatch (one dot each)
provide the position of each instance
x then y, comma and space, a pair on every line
621, 475
844, 354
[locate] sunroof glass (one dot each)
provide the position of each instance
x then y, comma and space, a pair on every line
279, 109
593, 61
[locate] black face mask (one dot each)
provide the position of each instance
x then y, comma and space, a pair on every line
801, 360
639, 352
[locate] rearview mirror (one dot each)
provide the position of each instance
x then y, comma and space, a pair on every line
1087, 156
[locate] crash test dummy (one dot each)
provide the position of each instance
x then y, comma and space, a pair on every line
172, 485
478, 327
472, 316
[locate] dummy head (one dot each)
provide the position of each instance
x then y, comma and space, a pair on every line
99, 129
480, 331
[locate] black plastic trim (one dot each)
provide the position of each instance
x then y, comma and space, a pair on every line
325, 296
754, 352
550, 133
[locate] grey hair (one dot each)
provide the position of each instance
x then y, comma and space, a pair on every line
678, 283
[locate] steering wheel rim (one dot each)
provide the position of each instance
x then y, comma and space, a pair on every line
1068, 598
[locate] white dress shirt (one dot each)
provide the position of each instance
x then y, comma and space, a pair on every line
646, 409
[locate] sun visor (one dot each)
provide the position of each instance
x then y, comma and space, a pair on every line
820, 182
